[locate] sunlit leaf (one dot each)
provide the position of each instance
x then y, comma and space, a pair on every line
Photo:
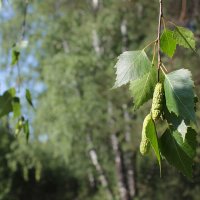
131, 65
179, 94
29, 97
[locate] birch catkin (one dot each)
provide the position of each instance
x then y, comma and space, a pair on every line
145, 144
157, 103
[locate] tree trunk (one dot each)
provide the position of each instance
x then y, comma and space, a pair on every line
196, 7
123, 28
92, 152
183, 11
102, 177
130, 157
120, 169
95, 36
119, 162
92, 180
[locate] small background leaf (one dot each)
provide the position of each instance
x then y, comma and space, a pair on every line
6, 102
15, 57
16, 107
29, 97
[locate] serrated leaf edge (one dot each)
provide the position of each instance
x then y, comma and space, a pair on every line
182, 163
136, 107
185, 39
115, 86
178, 97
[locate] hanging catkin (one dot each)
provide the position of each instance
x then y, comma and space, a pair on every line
145, 144
157, 103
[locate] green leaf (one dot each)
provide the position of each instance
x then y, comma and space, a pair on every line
16, 49
177, 152
16, 107
184, 37
168, 43
176, 122
11, 91
19, 126
6, 102
29, 97
171, 118
131, 65
152, 136
26, 129
15, 57
142, 89
179, 93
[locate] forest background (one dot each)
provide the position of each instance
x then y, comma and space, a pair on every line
84, 137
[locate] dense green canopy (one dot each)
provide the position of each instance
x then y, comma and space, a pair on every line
84, 135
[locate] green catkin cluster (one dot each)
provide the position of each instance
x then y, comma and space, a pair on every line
19, 127
145, 144
157, 103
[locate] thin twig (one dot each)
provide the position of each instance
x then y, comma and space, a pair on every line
18, 77
24, 20
163, 21
159, 34
23, 33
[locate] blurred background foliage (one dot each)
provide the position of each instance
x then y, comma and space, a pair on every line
84, 136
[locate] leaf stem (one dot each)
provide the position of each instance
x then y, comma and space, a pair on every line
158, 39
163, 21
25, 19
154, 53
164, 67
18, 77
168, 21
153, 42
